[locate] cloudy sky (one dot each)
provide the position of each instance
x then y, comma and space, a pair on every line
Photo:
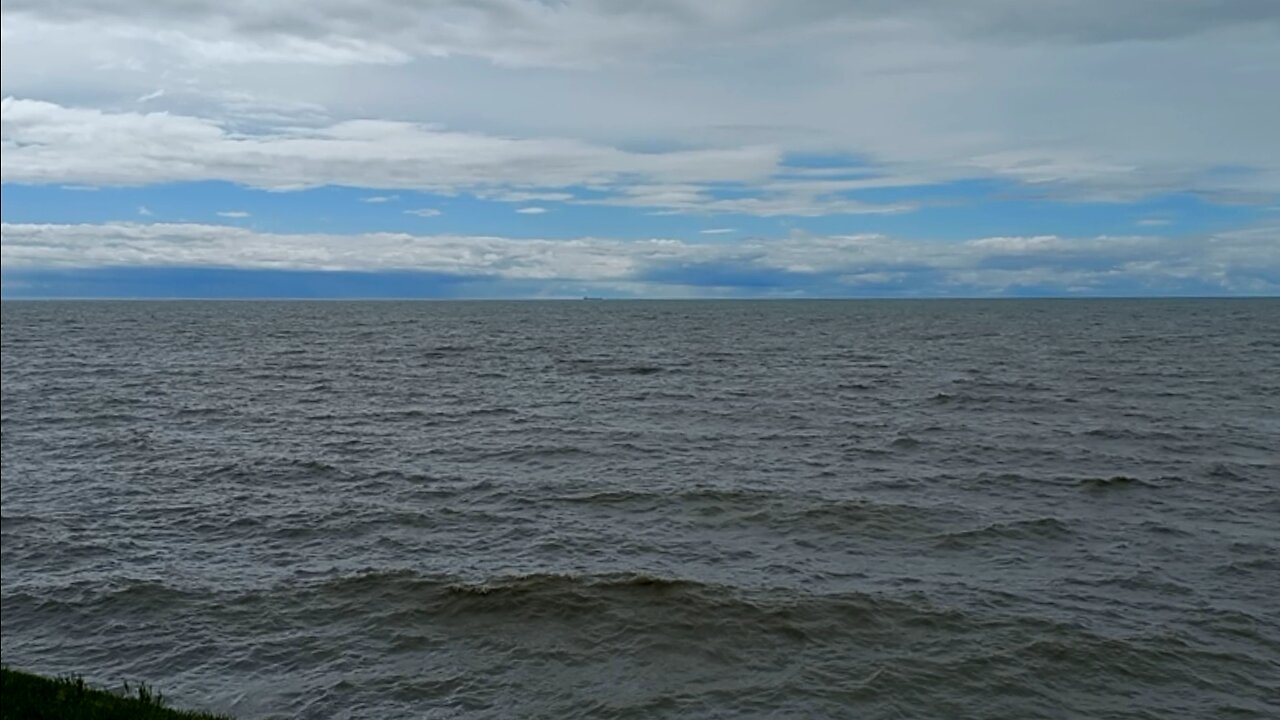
669, 148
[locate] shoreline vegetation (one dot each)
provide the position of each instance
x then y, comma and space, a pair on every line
34, 697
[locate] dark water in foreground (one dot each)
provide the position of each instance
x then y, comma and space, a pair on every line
1061, 509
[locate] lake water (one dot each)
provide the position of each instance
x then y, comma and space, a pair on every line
880, 509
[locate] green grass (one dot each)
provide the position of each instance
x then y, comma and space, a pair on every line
32, 697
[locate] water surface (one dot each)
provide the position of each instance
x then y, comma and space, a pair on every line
1006, 509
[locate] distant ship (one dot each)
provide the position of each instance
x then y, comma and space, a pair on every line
588, 297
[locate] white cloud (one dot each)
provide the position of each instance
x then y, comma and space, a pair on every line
1246, 261
520, 196
144, 211
1153, 222
717, 231
775, 198
44, 142
376, 199
424, 212
233, 214
151, 96
531, 210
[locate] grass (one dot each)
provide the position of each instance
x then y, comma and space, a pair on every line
32, 697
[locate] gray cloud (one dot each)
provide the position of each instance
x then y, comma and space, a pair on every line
1078, 99
1095, 21
532, 32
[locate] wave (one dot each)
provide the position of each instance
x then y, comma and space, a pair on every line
963, 399
442, 351
275, 469
784, 514
15, 522
610, 367
529, 453
1036, 529
552, 583
408, 593
677, 497
862, 515
1128, 433
1258, 566
525, 597
657, 603
845, 647
1115, 482
1149, 581
1222, 471
121, 595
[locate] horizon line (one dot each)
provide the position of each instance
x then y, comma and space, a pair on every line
595, 299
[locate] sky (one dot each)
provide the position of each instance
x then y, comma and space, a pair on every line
665, 148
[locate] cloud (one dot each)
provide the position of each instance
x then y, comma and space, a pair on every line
523, 33
144, 211
657, 106
1078, 99
520, 196
772, 198
44, 142
151, 96
717, 231
424, 212
1153, 222
1238, 262
233, 214
532, 210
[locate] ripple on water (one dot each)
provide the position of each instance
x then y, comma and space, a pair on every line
793, 509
